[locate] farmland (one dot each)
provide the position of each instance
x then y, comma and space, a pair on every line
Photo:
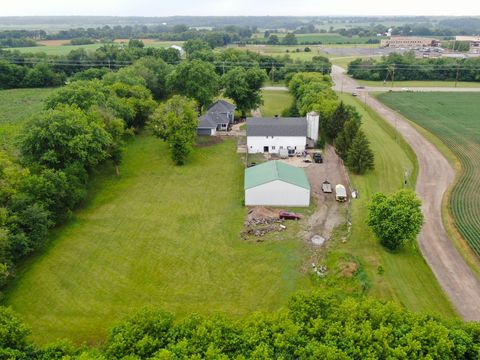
15, 107
158, 235
324, 38
452, 117
403, 277
54, 47
419, 83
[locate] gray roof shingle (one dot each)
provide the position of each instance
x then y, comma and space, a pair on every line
212, 119
221, 106
276, 127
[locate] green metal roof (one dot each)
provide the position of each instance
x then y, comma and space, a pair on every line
275, 170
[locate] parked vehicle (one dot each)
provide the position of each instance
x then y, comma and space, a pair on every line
283, 153
317, 158
288, 215
326, 187
340, 193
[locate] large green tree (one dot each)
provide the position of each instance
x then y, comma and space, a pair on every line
195, 79
65, 135
359, 155
175, 121
244, 87
395, 219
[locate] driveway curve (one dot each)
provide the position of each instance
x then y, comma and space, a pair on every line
434, 178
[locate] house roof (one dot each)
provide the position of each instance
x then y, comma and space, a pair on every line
221, 106
275, 170
276, 127
212, 119
205, 122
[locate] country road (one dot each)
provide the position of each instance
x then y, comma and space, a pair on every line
435, 176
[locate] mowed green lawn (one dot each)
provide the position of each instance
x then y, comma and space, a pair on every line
16, 106
454, 118
407, 278
158, 235
274, 102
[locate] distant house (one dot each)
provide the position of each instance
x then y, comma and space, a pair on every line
219, 116
275, 183
179, 49
271, 135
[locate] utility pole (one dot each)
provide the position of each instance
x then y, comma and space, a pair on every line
393, 74
456, 76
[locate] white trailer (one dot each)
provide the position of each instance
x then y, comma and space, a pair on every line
340, 193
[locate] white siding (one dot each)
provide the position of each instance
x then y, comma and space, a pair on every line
277, 193
255, 144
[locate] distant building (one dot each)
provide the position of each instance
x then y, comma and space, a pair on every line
474, 42
179, 49
409, 42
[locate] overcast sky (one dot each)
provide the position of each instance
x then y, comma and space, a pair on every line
237, 7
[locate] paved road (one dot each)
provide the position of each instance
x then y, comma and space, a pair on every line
434, 178
275, 88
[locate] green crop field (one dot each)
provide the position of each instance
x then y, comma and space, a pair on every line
58, 49
324, 38
453, 117
15, 107
405, 276
158, 235
274, 102
419, 83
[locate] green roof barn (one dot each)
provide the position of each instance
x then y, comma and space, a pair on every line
276, 183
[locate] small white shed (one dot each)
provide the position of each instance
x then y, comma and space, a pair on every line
275, 183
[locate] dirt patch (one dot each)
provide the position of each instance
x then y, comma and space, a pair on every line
261, 212
205, 141
348, 269
54, 42
261, 221
329, 213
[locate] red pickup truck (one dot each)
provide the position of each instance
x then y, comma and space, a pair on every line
287, 215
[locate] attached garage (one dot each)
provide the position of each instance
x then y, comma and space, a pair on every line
275, 183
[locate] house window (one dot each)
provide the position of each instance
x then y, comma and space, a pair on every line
281, 147
273, 147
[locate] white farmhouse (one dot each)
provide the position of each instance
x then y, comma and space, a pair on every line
271, 135
275, 183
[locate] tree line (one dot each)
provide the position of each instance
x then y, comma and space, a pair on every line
340, 124
41, 70
315, 325
406, 67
